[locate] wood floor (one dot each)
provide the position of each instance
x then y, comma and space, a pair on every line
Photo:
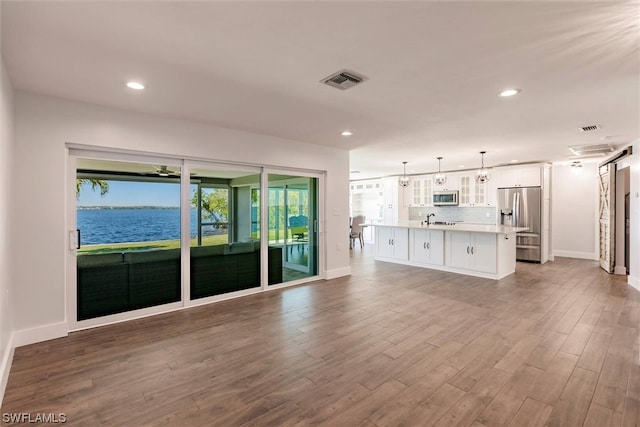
389, 346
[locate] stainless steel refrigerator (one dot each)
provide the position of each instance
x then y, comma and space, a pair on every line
521, 207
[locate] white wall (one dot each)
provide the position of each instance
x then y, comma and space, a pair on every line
6, 145
574, 211
633, 162
44, 125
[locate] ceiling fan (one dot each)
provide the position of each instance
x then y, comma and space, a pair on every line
163, 170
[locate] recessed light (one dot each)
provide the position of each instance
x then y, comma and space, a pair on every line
509, 92
460, 166
515, 161
347, 133
135, 85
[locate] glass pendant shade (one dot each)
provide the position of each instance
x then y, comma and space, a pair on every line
439, 178
404, 179
483, 174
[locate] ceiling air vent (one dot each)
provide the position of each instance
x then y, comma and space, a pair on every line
344, 79
592, 150
590, 128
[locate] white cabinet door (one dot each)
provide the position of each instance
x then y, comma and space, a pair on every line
472, 251
392, 242
458, 252
427, 246
427, 191
420, 191
529, 176
383, 242
520, 176
483, 252
465, 183
452, 183
400, 243
415, 192
390, 200
419, 239
473, 193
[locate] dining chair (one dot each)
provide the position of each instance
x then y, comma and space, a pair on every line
356, 230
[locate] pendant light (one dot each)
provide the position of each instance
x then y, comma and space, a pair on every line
483, 174
439, 178
404, 179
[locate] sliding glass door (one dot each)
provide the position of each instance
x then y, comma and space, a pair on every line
151, 235
225, 253
293, 219
128, 221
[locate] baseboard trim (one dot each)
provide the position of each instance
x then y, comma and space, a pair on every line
5, 366
41, 333
620, 270
580, 255
634, 282
338, 272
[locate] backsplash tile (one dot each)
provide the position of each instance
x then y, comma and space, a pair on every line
476, 215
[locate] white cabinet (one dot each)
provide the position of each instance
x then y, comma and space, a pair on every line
393, 201
520, 176
392, 242
474, 193
426, 246
452, 183
421, 191
472, 251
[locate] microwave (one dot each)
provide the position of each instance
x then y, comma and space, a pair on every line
445, 198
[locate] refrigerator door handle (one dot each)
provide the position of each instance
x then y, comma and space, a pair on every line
515, 217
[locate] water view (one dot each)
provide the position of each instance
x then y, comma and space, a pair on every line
101, 225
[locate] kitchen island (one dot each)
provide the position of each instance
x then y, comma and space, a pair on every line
487, 251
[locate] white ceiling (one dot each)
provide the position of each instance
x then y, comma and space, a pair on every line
434, 71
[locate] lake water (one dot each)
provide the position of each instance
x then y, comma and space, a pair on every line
131, 225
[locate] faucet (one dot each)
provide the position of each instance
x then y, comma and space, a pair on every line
429, 218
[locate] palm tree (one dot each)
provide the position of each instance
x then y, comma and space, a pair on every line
95, 184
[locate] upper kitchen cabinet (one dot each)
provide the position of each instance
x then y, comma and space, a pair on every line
474, 193
420, 191
519, 176
451, 184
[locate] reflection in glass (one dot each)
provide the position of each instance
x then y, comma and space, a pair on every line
225, 252
128, 215
292, 217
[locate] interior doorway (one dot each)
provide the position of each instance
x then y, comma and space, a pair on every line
623, 221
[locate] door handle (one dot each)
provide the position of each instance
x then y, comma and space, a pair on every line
428, 246
74, 239
78, 243
471, 250
424, 245
467, 249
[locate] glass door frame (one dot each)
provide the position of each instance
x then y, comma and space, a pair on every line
189, 165
71, 253
318, 223
78, 151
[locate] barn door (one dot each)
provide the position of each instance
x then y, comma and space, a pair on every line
607, 180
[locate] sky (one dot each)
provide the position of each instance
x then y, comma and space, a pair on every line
128, 193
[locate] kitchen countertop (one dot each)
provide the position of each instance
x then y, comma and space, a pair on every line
476, 228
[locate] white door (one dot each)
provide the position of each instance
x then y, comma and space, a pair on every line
607, 182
